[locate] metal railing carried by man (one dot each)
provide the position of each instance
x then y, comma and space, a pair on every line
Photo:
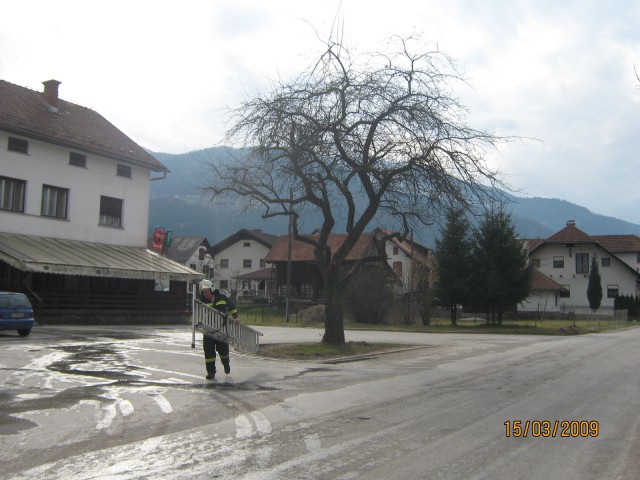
220, 326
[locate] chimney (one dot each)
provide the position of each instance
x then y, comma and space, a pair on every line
51, 93
571, 223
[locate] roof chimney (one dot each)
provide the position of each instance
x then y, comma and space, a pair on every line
51, 93
571, 222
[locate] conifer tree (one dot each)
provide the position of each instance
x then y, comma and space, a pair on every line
501, 271
594, 289
453, 254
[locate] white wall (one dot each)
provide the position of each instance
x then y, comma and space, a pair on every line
49, 164
236, 254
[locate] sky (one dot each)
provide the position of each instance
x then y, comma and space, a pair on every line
558, 74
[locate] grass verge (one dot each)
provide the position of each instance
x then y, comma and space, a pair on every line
323, 351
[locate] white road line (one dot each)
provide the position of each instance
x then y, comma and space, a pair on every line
106, 419
243, 427
163, 403
262, 423
126, 407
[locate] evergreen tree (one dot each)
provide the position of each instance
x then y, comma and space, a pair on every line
594, 289
453, 254
501, 271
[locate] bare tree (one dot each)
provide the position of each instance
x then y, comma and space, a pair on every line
356, 136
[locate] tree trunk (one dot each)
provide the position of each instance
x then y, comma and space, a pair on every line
333, 298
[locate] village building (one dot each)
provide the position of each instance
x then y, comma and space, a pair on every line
74, 209
562, 266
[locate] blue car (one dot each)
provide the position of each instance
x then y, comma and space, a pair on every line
16, 313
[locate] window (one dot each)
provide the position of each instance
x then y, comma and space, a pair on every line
558, 262
18, 145
638, 257
263, 264
568, 293
535, 262
77, 159
246, 263
606, 262
224, 263
224, 284
613, 291
110, 211
123, 171
12, 194
201, 253
397, 268
395, 250
246, 244
54, 202
582, 263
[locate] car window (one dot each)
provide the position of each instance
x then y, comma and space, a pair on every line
14, 301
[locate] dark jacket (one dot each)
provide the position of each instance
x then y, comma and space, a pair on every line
222, 303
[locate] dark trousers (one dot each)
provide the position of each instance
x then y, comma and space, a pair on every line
211, 345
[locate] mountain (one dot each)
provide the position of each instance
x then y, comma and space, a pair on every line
179, 204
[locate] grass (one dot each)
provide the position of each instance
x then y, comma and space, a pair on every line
323, 351
263, 315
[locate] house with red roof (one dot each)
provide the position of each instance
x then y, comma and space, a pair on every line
306, 280
239, 265
74, 212
562, 265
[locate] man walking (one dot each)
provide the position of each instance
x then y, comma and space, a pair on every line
216, 299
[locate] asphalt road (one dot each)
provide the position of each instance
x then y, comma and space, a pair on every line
132, 403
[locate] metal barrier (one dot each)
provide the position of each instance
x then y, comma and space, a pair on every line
220, 326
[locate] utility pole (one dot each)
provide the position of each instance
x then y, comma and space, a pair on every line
286, 308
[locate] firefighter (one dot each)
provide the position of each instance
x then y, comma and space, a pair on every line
216, 299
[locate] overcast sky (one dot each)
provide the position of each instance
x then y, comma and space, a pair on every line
164, 72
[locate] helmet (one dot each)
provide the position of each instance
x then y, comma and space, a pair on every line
206, 285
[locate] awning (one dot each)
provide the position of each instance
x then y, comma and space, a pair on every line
31, 253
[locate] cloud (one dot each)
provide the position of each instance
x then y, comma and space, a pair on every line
164, 72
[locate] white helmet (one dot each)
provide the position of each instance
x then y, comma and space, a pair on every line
206, 285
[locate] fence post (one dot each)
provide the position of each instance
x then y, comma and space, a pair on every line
193, 316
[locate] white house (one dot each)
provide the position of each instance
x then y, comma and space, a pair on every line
239, 265
401, 255
74, 203
193, 252
564, 260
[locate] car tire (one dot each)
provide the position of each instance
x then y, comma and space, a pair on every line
24, 332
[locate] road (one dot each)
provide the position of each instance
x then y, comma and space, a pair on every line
132, 403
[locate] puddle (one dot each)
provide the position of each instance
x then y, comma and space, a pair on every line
99, 360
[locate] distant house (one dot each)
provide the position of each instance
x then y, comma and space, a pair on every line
238, 261
306, 280
401, 255
563, 262
74, 200
192, 252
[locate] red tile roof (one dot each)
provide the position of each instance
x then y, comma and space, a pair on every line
304, 252
619, 243
570, 234
541, 282
24, 112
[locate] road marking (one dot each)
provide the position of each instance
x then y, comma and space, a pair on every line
243, 427
262, 423
163, 403
108, 415
126, 407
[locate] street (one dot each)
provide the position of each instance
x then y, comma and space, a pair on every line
131, 402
